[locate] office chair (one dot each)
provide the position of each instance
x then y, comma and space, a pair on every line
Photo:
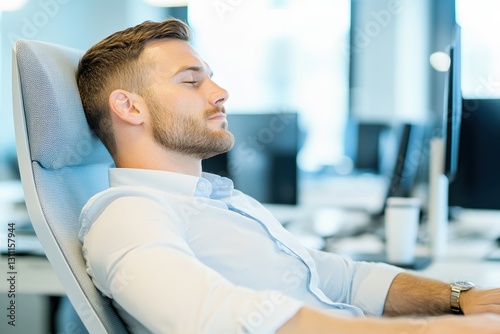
62, 164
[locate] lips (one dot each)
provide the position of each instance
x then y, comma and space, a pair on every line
217, 115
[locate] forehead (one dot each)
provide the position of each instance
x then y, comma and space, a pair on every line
171, 54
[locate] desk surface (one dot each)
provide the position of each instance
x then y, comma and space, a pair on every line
482, 273
471, 237
33, 275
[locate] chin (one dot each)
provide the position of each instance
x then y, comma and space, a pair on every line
219, 127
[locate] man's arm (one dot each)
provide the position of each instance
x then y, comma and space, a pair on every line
415, 295
308, 320
409, 295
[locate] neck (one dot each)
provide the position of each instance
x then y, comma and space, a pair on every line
162, 159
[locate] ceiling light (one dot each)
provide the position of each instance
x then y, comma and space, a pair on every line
440, 61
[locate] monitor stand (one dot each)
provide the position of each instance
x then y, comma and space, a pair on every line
438, 200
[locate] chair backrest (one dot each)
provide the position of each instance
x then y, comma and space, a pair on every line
62, 164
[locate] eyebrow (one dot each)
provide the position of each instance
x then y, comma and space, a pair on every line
199, 69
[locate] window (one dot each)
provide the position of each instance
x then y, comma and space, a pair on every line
480, 49
282, 55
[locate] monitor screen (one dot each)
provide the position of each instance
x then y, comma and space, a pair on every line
263, 161
408, 160
368, 150
477, 181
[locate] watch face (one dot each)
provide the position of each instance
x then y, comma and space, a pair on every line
463, 285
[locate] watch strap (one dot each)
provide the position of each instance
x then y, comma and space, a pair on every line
456, 290
455, 300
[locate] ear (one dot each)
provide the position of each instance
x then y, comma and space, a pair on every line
127, 106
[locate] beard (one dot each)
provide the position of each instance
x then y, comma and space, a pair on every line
186, 134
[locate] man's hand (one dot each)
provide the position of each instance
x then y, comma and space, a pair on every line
478, 300
473, 324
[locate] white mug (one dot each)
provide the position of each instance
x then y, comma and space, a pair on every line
402, 216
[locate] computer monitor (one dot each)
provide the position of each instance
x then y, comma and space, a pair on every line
263, 161
445, 151
452, 109
477, 180
368, 147
408, 160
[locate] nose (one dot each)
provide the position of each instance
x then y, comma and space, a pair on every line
218, 96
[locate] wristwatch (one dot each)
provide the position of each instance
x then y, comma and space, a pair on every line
456, 290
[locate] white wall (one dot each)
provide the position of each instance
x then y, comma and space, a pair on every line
390, 54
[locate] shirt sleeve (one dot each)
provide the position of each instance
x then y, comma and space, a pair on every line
137, 254
357, 283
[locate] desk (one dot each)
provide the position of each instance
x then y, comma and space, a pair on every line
482, 273
471, 239
471, 234
34, 276
36, 281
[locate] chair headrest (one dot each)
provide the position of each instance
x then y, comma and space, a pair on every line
58, 130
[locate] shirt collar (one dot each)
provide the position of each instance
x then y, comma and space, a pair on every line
208, 185
221, 187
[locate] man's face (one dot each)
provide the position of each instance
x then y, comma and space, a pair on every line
186, 107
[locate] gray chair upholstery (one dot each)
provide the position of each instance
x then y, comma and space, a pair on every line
62, 164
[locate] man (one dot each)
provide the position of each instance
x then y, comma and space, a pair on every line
181, 251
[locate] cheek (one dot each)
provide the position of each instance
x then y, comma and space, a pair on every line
182, 100
188, 104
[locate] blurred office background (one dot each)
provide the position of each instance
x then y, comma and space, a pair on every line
337, 63
352, 70
334, 62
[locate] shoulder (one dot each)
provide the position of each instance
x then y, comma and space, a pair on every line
124, 203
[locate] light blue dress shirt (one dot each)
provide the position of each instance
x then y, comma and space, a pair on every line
185, 254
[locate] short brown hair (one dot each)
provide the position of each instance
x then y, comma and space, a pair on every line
112, 64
